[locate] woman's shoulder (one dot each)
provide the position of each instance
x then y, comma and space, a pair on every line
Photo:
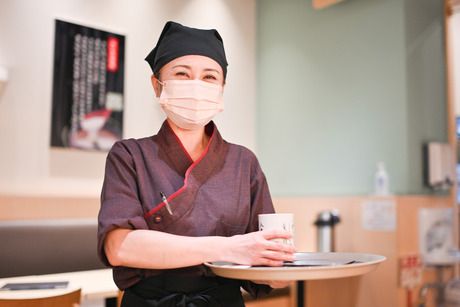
132, 144
245, 158
241, 151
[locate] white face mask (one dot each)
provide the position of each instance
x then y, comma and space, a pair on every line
191, 104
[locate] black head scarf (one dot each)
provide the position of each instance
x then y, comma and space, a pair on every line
177, 40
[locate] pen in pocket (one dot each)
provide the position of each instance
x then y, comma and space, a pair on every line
165, 200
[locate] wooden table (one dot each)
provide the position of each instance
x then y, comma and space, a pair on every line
94, 284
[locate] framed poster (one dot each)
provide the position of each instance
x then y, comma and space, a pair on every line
88, 77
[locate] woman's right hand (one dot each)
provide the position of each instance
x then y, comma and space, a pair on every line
257, 248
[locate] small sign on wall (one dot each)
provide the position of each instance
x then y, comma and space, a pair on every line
88, 84
436, 234
379, 215
410, 271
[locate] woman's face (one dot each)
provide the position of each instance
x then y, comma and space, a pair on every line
190, 67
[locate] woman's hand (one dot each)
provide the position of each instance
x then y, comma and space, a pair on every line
275, 284
256, 248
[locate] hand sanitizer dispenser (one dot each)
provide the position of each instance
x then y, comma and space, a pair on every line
439, 165
381, 181
3, 78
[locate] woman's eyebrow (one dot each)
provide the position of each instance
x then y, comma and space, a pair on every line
211, 69
183, 66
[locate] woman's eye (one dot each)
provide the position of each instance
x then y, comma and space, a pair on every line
210, 77
181, 74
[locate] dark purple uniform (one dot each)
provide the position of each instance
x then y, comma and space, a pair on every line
220, 194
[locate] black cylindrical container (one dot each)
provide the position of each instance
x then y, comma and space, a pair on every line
325, 222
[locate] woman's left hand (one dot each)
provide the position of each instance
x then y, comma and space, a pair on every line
275, 284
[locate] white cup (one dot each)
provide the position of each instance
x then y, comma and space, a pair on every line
278, 221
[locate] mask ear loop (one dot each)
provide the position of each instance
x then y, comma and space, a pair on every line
162, 84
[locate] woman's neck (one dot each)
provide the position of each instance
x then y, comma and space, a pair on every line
194, 141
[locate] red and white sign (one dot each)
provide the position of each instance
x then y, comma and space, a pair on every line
410, 271
112, 53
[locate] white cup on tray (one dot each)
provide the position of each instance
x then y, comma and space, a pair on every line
278, 221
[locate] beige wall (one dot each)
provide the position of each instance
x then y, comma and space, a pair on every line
27, 165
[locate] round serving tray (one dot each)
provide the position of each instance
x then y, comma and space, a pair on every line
306, 266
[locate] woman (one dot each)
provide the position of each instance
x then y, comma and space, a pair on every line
184, 196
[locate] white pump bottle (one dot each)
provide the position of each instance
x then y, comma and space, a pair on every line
381, 181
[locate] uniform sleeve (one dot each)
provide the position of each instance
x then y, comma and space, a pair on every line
261, 202
120, 205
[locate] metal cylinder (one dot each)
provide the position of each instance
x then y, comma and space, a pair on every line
325, 222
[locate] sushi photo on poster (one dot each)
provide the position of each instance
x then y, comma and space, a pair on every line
88, 76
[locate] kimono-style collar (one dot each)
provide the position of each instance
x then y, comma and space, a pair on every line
176, 153
195, 173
